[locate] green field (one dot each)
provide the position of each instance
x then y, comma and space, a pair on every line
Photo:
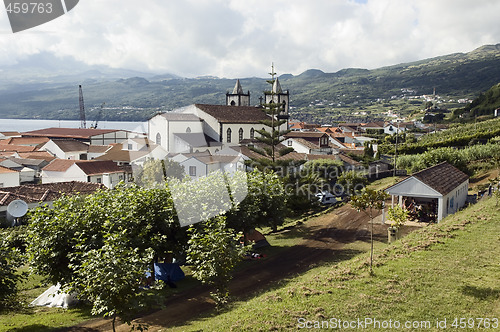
446, 271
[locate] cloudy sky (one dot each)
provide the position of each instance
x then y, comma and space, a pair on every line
240, 38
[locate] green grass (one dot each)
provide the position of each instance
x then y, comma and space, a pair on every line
444, 271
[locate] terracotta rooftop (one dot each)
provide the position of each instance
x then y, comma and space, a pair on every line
59, 165
234, 114
37, 155
34, 193
443, 177
94, 167
10, 133
28, 141
116, 153
4, 170
70, 145
304, 134
16, 148
83, 133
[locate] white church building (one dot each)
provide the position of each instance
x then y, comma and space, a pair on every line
201, 127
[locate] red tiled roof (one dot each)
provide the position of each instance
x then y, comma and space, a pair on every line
86, 133
16, 148
28, 141
234, 114
37, 155
304, 134
4, 170
116, 153
443, 177
34, 193
71, 145
59, 165
94, 167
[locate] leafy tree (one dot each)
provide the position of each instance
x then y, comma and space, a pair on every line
154, 172
352, 181
370, 202
214, 251
398, 215
99, 245
10, 260
264, 205
327, 169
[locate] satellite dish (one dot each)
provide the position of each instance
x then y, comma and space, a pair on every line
17, 208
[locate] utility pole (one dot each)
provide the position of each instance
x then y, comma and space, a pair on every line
396, 151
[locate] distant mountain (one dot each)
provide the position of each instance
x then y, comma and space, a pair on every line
47, 87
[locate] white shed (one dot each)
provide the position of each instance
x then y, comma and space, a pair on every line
434, 192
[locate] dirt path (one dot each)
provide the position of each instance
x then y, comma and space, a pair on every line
329, 233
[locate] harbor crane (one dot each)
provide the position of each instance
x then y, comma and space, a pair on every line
83, 122
97, 118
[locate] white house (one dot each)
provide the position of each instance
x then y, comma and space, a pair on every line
308, 142
104, 172
199, 166
66, 149
435, 192
134, 151
9, 177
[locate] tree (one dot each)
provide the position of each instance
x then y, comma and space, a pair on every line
264, 204
10, 260
101, 245
370, 201
213, 250
398, 215
274, 137
352, 182
154, 172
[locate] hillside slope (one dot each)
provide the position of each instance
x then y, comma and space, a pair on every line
446, 271
136, 98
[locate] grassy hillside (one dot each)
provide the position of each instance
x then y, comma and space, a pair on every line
446, 271
484, 104
316, 96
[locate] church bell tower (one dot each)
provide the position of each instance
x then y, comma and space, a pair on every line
238, 97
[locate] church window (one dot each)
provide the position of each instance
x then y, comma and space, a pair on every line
188, 130
158, 139
233, 103
240, 134
229, 135
252, 133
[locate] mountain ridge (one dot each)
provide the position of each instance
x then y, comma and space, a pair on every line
144, 94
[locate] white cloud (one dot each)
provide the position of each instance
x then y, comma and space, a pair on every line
238, 38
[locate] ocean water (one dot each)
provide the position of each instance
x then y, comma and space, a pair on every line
23, 125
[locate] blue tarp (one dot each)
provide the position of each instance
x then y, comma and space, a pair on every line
168, 272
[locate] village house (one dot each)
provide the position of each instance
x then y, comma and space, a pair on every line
134, 151
104, 172
66, 149
433, 193
199, 166
9, 177
308, 142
